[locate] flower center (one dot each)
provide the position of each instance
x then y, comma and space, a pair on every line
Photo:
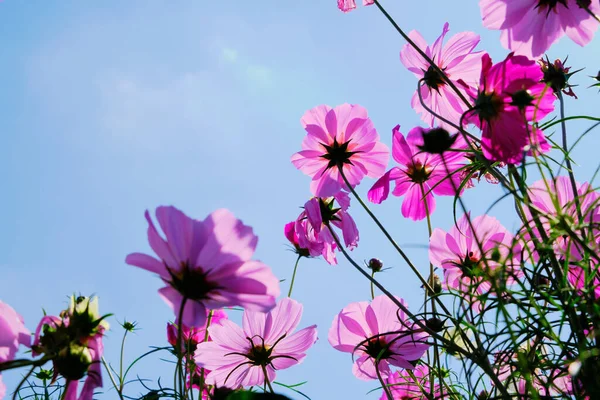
338, 154
550, 5
192, 283
260, 355
487, 105
470, 266
418, 172
377, 347
433, 78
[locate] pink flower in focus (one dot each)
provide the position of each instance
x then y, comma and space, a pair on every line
460, 64
458, 253
342, 136
403, 387
530, 27
291, 233
420, 175
349, 5
208, 263
379, 329
266, 342
509, 97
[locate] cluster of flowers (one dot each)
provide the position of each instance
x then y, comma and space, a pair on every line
207, 265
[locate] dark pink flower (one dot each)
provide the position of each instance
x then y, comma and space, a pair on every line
403, 387
266, 342
530, 27
468, 269
509, 97
420, 175
349, 5
379, 329
344, 136
208, 263
459, 63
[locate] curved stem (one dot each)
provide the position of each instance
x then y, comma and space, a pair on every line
23, 382
112, 379
19, 363
372, 287
121, 379
294, 276
206, 333
267, 382
386, 389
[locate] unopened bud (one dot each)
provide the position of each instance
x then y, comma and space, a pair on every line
375, 264
437, 141
435, 324
434, 283
73, 361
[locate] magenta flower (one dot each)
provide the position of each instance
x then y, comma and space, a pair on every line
530, 27
207, 263
466, 268
250, 355
379, 329
349, 5
420, 175
460, 64
511, 95
342, 136
403, 387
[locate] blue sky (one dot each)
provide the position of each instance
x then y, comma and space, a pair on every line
111, 108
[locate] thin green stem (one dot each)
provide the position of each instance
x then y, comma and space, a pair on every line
22, 382
386, 389
179, 369
206, 334
112, 379
294, 276
372, 287
20, 363
267, 382
121, 379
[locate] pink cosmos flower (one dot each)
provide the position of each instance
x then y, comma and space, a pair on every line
379, 329
12, 334
510, 95
74, 339
530, 27
457, 60
420, 175
465, 268
344, 136
311, 232
192, 336
555, 202
403, 387
349, 5
207, 263
266, 342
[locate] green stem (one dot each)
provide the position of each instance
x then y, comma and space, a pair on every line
179, 370
294, 276
267, 380
121, 379
112, 379
206, 333
20, 363
372, 287
23, 382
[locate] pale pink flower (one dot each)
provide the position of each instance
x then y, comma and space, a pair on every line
530, 27
377, 329
349, 5
459, 63
403, 387
12, 332
468, 269
208, 263
266, 342
509, 97
554, 201
420, 175
344, 136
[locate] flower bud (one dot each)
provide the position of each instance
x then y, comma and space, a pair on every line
73, 361
437, 141
375, 264
434, 283
435, 324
